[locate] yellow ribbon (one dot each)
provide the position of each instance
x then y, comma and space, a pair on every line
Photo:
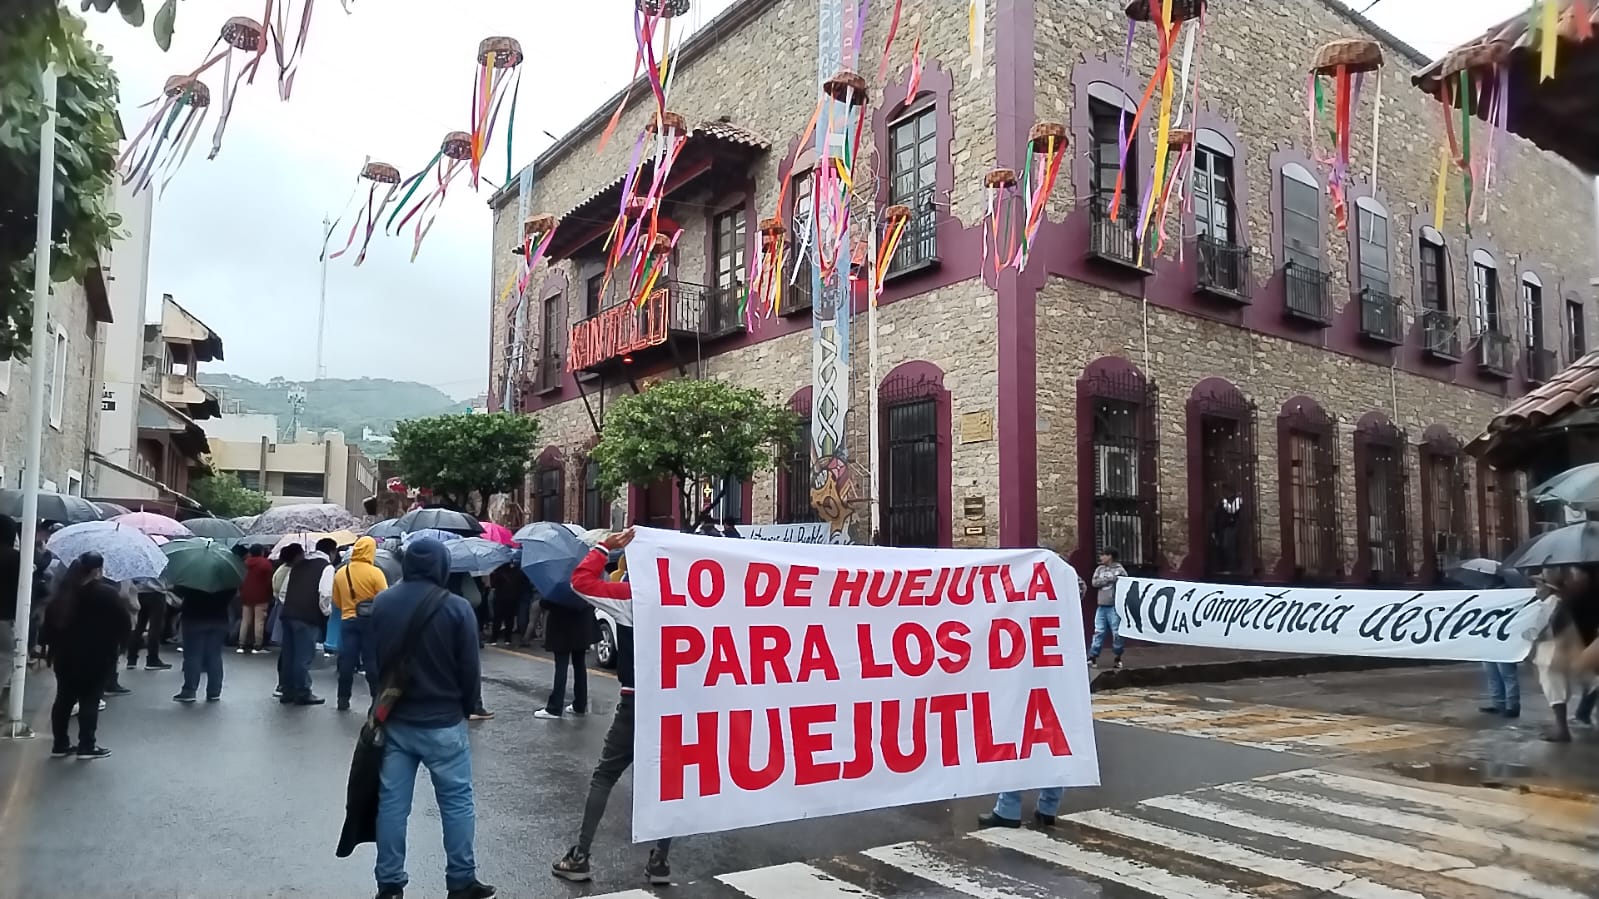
1443, 189
1551, 39
1162, 136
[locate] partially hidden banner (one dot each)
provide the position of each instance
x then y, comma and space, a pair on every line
1453, 625
779, 681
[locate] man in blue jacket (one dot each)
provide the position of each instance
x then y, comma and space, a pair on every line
427, 725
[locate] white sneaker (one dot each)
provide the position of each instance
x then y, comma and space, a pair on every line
544, 715
102, 705
239, 651
572, 711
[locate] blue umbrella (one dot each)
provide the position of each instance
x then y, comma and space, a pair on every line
128, 553
476, 556
549, 553
441, 536
385, 529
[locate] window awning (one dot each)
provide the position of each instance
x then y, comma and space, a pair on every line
156, 416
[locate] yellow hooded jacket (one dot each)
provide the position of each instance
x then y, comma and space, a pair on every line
358, 581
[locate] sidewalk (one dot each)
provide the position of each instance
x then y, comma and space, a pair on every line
1158, 664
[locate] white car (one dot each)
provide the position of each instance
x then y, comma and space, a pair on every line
605, 650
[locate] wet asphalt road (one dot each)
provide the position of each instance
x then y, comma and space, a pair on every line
244, 798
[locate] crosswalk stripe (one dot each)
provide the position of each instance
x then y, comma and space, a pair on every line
1508, 812
1515, 883
1460, 833
1125, 871
1381, 731
1327, 880
973, 880
629, 894
795, 880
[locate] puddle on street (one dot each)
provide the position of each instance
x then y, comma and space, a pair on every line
1465, 774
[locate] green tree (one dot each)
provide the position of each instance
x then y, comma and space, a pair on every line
457, 455
695, 432
88, 134
224, 496
133, 12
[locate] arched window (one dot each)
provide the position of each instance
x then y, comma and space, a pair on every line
550, 486
1382, 542
596, 511
794, 473
1223, 518
1440, 327
913, 147
1305, 276
1445, 523
1110, 126
1532, 310
1119, 456
1307, 458
1380, 318
1223, 260
1484, 293
916, 456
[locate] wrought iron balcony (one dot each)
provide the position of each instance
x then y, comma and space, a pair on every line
918, 246
1116, 241
1440, 334
1306, 293
547, 373
797, 290
1223, 269
1542, 364
722, 316
617, 332
1380, 317
1494, 353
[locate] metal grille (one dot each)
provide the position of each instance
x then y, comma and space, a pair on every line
910, 514
1441, 331
1311, 490
918, 245
721, 311
1380, 457
1223, 267
912, 181
1542, 364
1500, 522
549, 498
1115, 240
1379, 316
1305, 290
1494, 352
1227, 472
1125, 449
596, 512
1444, 500
794, 480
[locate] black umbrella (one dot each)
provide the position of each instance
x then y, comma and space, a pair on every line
215, 528
440, 519
112, 510
1485, 574
1574, 544
52, 507
383, 530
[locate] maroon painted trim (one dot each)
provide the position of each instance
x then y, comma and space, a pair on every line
930, 379
1017, 296
1374, 429
1193, 565
1105, 367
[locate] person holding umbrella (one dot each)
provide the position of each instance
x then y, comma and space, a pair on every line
84, 629
255, 596
206, 577
354, 588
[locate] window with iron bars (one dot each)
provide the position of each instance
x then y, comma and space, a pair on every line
1496, 499
1382, 536
796, 274
596, 511
913, 182
1125, 447
794, 479
1446, 525
549, 494
1310, 493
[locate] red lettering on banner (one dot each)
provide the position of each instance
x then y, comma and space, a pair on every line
1040, 585
861, 765
1011, 593
937, 595
739, 762
664, 574
945, 708
952, 640
807, 744
724, 658
769, 649
848, 585
1002, 658
989, 572
988, 750
761, 583
801, 578
962, 594
1042, 725
1045, 636
904, 762
905, 636
816, 655
680, 645
915, 583
706, 594
870, 667
882, 594
677, 756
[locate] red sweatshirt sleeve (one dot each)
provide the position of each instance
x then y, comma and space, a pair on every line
588, 579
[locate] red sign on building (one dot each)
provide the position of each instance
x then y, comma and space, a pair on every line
621, 329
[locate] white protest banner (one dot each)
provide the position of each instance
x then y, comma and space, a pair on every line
1446, 625
779, 681
807, 532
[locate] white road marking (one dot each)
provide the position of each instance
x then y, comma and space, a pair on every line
1507, 811
973, 880
792, 881
1150, 879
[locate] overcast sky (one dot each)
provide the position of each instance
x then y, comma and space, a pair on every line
236, 239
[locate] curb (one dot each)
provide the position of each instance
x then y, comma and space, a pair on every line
1216, 672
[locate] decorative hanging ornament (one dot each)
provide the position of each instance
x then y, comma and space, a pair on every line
242, 42
537, 232
453, 157
764, 287
185, 102
1345, 63
1168, 17
638, 219
842, 126
1180, 144
1006, 215
1046, 150
499, 61
288, 56
377, 176
896, 219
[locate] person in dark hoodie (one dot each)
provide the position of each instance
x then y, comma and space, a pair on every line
588, 581
205, 628
427, 726
85, 629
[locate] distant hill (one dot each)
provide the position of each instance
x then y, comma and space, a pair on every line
345, 404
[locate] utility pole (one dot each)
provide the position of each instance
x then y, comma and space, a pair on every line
322, 300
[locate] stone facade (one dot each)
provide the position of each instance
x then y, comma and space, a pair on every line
1011, 350
66, 441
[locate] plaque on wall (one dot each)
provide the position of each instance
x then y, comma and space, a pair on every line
977, 427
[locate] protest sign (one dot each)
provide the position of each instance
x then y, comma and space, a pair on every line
807, 532
779, 681
1452, 625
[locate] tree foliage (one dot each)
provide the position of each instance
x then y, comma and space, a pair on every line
132, 11
87, 137
225, 496
455, 455
694, 431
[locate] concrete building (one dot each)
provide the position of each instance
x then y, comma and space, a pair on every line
1269, 399
311, 468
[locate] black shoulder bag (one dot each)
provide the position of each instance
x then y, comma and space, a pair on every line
366, 764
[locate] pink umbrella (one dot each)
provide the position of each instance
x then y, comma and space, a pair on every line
499, 533
153, 525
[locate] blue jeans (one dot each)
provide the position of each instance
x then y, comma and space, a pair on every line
357, 647
1504, 685
447, 753
202, 654
299, 645
1106, 619
1009, 805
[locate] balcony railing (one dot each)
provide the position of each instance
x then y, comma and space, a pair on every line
547, 372
1116, 241
1493, 353
1380, 318
678, 309
1223, 269
796, 277
1542, 364
1305, 293
1440, 333
722, 312
918, 245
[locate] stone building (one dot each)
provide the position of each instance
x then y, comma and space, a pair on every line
1269, 399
